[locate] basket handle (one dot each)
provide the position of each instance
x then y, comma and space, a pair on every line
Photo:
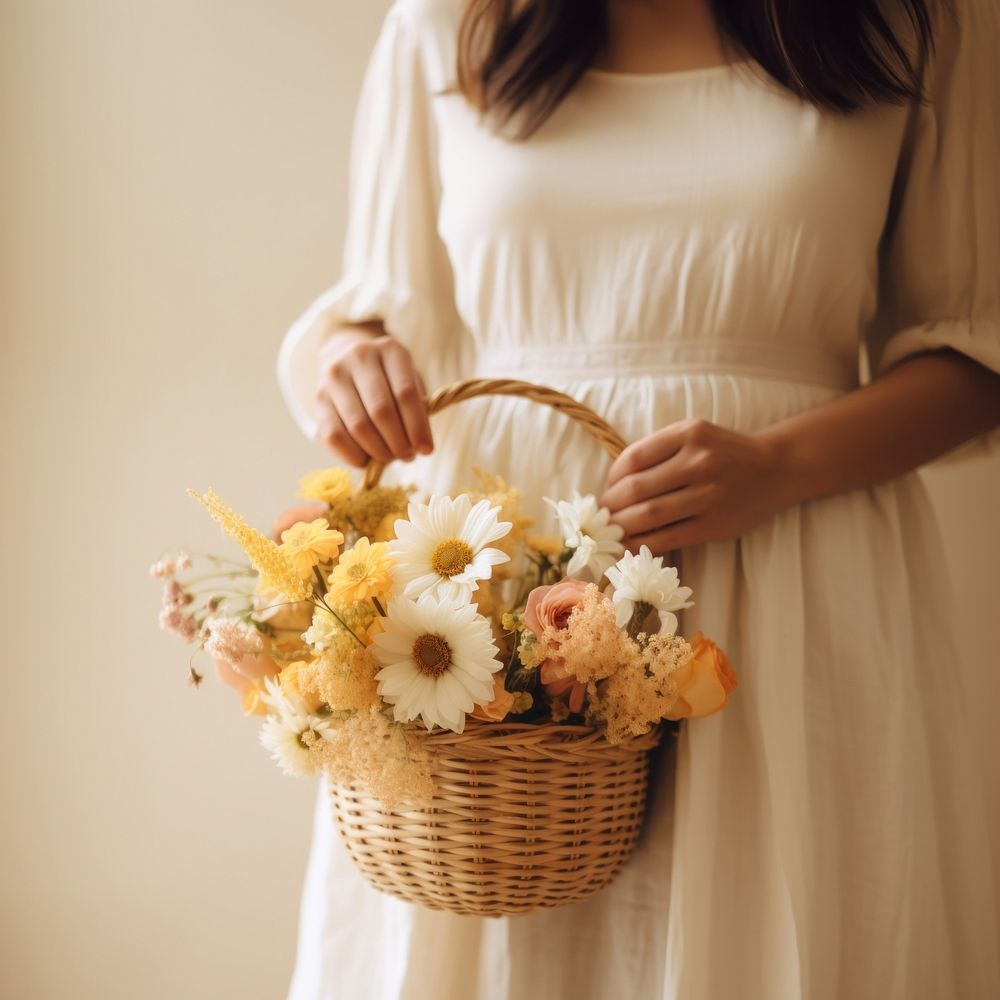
598, 428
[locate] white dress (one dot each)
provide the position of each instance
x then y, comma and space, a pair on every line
701, 243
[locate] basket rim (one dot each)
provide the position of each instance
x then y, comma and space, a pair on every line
506, 734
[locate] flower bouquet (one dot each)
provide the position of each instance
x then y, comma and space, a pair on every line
481, 698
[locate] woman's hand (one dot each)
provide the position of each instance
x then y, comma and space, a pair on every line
693, 482
371, 397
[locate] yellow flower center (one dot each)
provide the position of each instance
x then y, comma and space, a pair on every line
432, 655
451, 557
357, 571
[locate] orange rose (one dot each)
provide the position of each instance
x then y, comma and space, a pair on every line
704, 682
497, 709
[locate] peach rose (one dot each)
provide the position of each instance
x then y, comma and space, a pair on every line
497, 709
558, 683
705, 681
301, 513
247, 677
552, 606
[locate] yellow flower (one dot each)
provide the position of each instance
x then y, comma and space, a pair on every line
386, 530
347, 682
363, 571
311, 542
326, 485
508, 499
522, 702
277, 570
253, 701
367, 510
547, 545
299, 680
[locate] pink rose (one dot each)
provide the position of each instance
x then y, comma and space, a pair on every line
552, 606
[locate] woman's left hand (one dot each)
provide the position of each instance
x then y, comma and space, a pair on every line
693, 482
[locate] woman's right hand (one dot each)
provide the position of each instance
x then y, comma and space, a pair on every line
371, 397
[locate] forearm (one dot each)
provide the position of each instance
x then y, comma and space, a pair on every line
915, 412
329, 323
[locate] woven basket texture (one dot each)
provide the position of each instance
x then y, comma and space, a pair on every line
524, 817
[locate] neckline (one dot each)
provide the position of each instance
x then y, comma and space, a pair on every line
676, 74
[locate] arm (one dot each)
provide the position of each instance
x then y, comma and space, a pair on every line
915, 412
695, 482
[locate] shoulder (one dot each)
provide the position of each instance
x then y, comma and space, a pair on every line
432, 27
428, 13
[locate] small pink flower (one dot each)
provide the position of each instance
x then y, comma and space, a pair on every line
231, 640
164, 569
173, 616
172, 620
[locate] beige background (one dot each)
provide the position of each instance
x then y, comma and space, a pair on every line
172, 193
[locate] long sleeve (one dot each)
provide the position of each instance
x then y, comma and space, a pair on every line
940, 253
395, 266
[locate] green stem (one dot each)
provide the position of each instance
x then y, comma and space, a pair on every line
217, 576
344, 625
640, 613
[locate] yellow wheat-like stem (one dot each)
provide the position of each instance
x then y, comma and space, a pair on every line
277, 570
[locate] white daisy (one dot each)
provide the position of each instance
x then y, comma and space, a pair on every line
586, 529
290, 731
642, 579
438, 659
443, 548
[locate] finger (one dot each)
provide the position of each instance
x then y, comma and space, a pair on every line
648, 451
661, 511
680, 535
349, 431
407, 389
332, 432
640, 486
376, 395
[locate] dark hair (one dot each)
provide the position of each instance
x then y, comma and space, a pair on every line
517, 59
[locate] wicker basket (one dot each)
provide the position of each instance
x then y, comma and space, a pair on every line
524, 817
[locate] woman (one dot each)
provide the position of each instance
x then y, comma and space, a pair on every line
691, 216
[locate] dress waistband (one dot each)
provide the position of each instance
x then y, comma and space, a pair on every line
753, 358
